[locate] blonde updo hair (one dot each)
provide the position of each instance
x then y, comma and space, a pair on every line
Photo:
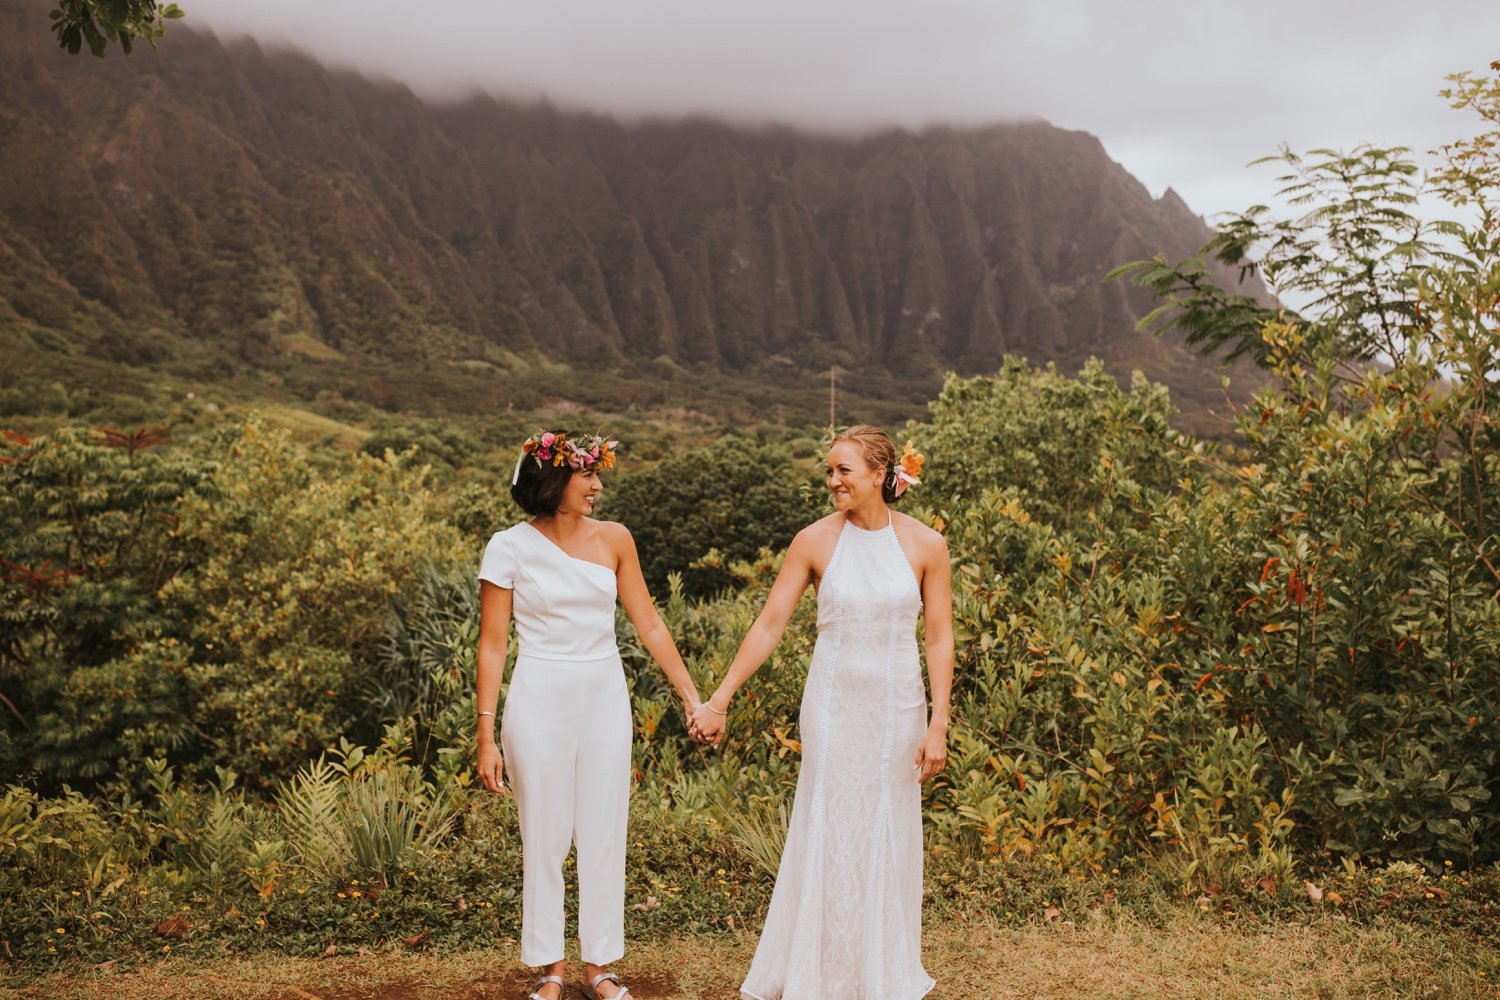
879, 451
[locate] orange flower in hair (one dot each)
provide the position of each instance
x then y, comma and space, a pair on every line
908, 471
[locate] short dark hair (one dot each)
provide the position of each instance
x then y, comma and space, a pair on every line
538, 488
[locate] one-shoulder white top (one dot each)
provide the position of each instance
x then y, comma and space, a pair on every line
564, 608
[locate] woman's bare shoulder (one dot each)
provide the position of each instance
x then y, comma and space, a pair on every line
823, 530
612, 530
615, 536
814, 542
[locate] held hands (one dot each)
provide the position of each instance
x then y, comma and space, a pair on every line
932, 752
706, 723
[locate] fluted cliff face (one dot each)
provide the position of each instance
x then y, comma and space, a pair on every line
221, 198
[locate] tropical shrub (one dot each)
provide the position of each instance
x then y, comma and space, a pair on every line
298, 569
160, 604
88, 538
699, 512
1044, 434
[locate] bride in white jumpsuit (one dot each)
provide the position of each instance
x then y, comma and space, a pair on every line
566, 727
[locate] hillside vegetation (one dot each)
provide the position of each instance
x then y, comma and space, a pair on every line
228, 210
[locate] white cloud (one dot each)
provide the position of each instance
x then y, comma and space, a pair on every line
1184, 94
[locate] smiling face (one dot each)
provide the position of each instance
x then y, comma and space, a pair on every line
850, 478
581, 493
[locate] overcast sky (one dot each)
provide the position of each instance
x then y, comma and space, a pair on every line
1184, 94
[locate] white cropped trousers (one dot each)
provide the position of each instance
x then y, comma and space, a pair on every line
566, 735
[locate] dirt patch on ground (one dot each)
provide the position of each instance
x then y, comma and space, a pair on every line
1193, 957
508, 986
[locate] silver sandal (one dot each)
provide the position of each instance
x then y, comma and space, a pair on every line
592, 991
534, 995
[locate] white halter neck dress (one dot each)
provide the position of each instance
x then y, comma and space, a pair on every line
846, 915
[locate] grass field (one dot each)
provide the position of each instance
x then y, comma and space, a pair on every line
1112, 957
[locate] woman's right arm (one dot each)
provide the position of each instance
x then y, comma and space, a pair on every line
494, 634
796, 573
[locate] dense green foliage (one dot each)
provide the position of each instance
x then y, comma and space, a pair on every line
696, 513
208, 610
1045, 434
196, 872
87, 521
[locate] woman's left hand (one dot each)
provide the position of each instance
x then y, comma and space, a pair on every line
690, 706
932, 752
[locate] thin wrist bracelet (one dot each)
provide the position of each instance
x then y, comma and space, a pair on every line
710, 706
490, 714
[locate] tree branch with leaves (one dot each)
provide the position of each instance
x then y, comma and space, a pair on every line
97, 23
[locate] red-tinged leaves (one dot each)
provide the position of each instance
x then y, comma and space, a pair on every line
136, 440
1266, 884
13, 439
38, 579
174, 927
1296, 590
1265, 571
417, 940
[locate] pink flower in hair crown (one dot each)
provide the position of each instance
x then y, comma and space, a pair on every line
594, 452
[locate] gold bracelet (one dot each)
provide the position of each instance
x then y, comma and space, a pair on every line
490, 714
710, 706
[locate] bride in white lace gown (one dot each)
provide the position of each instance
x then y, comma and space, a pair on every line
845, 918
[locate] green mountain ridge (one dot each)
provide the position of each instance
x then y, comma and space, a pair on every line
220, 201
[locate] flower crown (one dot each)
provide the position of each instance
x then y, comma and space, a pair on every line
557, 448
908, 470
